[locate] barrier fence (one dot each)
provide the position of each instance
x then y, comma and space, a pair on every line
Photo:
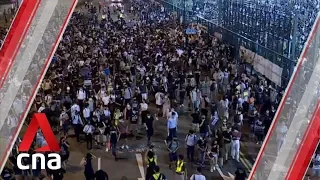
257, 59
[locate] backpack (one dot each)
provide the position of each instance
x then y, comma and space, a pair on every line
161, 177
212, 87
152, 164
194, 138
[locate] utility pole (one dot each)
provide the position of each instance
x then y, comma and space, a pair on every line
294, 40
184, 11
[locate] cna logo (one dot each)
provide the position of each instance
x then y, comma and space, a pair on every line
53, 159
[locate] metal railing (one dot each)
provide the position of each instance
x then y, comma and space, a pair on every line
236, 40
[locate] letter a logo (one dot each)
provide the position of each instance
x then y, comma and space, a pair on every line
39, 120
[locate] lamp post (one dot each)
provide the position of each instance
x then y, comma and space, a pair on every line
294, 39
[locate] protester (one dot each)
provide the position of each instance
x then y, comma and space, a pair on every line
157, 175
88, 169
173, 147
151, 161
198, 175
180, 168
101, 175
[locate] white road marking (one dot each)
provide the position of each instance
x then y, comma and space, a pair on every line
229, 177
140, 165
99, 163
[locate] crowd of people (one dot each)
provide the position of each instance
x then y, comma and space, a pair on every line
103, 81
3, 33
6, 15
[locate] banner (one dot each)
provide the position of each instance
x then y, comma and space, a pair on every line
265, 67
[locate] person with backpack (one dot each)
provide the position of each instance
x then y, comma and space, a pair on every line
240, 174
157, 175
127, 94
191, 141
77, 125
89, 129
151, 161
81, 96
173, 147
198, 175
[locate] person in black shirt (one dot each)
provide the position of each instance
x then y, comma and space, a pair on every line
240, 174
101, 175
227, 141
114, 133
64, 152
204, 128
27, 161
149, 126
17, 172
58, 174
48, 171
182, 94
119, 101
195, 121
151, 163
6, 174
135, 115
37, 172
88, 169
202, 149
128, 113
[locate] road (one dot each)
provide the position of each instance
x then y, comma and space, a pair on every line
128, 165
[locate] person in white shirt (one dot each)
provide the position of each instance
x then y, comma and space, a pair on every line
40, 139
106, 112
198, 175
88, 130
87, 113
159, 101
191, 141
105, 100
193, 98
281, 130
75, 108
144, 110
225, 107
77, 124
12, 122
42, 107
81, 94
102, 93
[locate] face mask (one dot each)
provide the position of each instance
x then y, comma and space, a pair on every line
148, 116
